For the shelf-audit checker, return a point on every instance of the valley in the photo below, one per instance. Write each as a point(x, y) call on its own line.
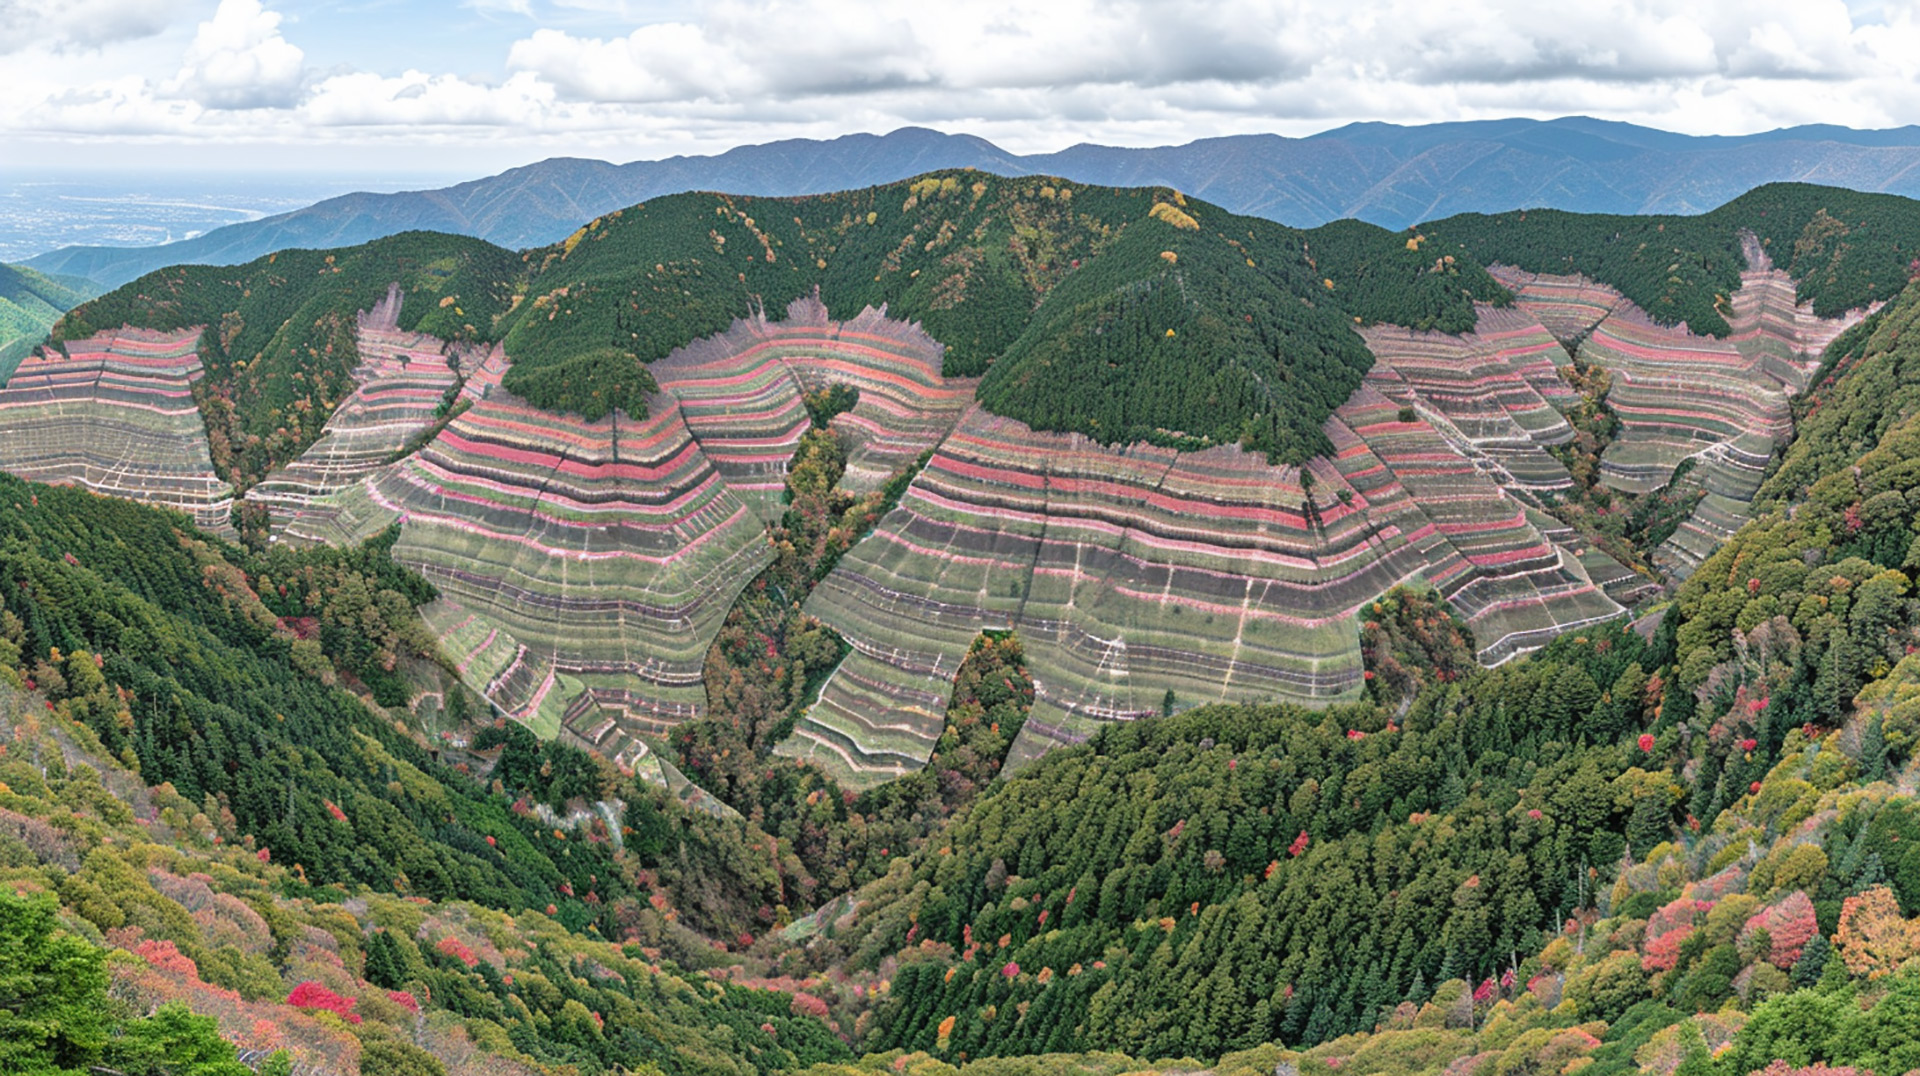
point(1077, 622)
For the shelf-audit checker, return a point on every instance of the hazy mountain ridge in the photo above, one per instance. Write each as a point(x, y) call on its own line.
point(1382, 173)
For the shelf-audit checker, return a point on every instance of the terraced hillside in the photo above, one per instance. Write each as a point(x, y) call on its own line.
point(1721, 402)
point(1142, 575)
point(1495, 392)
point(280, 344)
point(743, 392)
point(583, 567)
point(405, 381)
point(116, 415)
point(1198, 444)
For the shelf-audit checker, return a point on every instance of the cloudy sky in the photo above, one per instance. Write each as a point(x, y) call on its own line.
point(451, 86)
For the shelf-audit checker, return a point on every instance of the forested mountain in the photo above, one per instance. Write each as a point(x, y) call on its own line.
point(259, 779)
point(1689, 847)
point(1385, 174)
point(1248, 319)
point(1845, 250)
point(30, 303)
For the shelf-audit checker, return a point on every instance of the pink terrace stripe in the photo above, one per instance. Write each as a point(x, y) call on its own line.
point(455, 523)
point(548, 461)
point(1130, 532)
point(447, 482)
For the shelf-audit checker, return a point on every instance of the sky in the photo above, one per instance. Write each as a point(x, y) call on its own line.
point(446, 87)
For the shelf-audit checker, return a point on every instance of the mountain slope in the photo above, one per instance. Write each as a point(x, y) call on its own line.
point(30, 302)
point(1845, 250)
point(1641, 847)
point(281, 349)
point(1203, 327)
point(1389, 175)
point(194, 801)
point(1249, 320)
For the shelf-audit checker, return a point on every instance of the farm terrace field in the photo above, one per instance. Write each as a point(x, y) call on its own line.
point(115, 414)
point(583, 567)
point(405, 381)
point(1143, 578)
point(1496, 392)
point(744, 394)
point(1722, 403)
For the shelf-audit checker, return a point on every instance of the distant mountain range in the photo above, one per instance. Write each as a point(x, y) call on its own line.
point(1382, 173)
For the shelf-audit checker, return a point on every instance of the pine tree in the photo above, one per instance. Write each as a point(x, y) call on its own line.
point(1855, 858)
point(1872, 873)
point(1320, 1026)
point(1873, 750)
point(386, 965)
point(1813, 961)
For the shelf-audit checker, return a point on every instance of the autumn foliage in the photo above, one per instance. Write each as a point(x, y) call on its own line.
point(311, 995)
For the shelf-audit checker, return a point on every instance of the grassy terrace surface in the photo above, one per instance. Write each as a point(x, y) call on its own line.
point(1132, 573)
point(402, 385)
point(743, 391)
point(583, 567)
point(116, 416)
point(1723, 402)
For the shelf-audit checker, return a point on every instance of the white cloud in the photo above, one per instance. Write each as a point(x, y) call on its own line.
point(696, 75)
point(416, 99)
point(84, 23)
point(238, 59)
